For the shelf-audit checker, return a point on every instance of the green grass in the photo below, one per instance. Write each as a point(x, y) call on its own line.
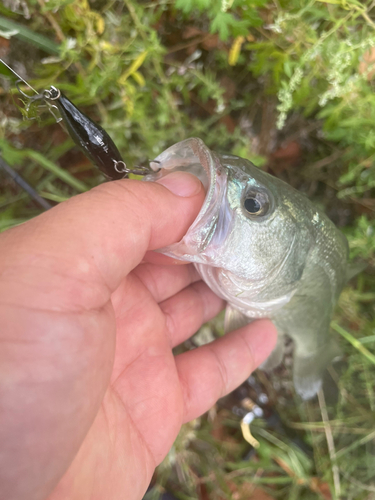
point(290, 87)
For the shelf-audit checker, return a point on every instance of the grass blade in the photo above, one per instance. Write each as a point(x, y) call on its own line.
point(7, 224)
point(355, 343)
point(58, 171)
point(29, 36)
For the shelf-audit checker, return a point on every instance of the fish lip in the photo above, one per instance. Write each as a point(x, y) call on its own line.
point(181, 156)
point(185, 156)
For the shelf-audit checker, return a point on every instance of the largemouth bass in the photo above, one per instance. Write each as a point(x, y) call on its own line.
point(267, 250)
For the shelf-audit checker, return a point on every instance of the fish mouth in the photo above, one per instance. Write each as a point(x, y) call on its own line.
point(193, 156)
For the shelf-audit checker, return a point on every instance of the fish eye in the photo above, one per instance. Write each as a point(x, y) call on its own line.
point(252, 205)
point(256, 203)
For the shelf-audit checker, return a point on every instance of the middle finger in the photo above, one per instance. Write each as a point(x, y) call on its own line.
point(164, 281)
point(186, 311)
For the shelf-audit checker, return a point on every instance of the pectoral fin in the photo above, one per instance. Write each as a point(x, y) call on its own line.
point(234, 319)
point(355, 268)
point(276, 356)
point(308, 371)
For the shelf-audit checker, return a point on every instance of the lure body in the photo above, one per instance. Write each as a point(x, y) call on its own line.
point(90, 137)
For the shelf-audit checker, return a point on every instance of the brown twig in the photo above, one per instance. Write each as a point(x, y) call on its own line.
point(186, 45)
point(330, 443)
point(59, 34)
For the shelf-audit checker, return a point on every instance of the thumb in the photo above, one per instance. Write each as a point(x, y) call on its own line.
point(98, 237)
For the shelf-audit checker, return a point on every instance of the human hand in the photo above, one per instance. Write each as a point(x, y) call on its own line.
point(91, 397)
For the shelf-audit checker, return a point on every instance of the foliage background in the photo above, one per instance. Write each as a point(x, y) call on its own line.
point(287, 84)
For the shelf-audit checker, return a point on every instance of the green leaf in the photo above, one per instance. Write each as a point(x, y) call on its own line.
point(188, 6)
point(221, 24)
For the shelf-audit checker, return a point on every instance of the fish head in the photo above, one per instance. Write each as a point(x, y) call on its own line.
point(252, 236)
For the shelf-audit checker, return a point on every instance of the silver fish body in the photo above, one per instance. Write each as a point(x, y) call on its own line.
point(267, 250)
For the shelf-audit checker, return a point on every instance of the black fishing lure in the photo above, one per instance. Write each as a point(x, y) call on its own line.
point(90, 137)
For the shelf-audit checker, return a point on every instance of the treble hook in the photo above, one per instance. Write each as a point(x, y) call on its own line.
point(29, 97)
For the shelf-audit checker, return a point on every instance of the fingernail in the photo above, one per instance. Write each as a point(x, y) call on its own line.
point(181, 183)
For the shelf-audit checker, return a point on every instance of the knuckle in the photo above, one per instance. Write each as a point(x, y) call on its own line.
point(170, 324)
point(199, 302)
point(222, 371)
point(249, 349)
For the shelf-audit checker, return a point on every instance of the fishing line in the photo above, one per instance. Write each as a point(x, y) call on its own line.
point(20, 78)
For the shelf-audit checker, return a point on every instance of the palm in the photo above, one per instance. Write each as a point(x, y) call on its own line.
point(145, 403)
